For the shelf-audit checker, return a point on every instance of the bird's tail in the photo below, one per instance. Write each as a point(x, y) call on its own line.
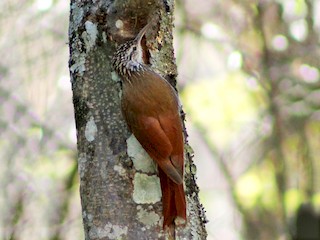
point(173, 202)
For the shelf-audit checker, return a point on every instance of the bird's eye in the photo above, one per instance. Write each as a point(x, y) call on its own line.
point(134, 48)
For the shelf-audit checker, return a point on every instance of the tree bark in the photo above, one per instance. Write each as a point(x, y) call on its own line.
point(119, 187)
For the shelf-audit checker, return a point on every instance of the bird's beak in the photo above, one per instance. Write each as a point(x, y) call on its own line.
point(143, 32)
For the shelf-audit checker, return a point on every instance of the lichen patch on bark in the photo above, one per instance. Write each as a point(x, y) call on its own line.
point(119, 24)
point(146, 189)
point(120, 170)
point(90, 130)
point(90, 35)
point(148, 217)
point(77, 58)
point(109, 231)
point(140, 158)
point(194, 222)
point(77, 16)
point(79, 61)
point(82, 161)
point(115, 77)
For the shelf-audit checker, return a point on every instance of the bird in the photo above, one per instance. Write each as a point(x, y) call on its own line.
point(151, 109)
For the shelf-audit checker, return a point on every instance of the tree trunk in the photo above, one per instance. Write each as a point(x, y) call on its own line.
point(120, 191)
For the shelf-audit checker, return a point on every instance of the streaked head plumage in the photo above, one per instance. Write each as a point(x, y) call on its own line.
point(129, 55)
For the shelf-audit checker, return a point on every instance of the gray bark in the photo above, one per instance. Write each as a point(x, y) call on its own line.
point(120, 191)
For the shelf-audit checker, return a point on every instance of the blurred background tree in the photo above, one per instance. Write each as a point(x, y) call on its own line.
point(249, 81)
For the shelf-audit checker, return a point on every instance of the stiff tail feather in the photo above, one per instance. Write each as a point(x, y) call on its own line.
point(173, 201)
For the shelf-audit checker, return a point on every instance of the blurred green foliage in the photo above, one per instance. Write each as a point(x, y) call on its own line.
point(211, 104)
point(254, 98)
